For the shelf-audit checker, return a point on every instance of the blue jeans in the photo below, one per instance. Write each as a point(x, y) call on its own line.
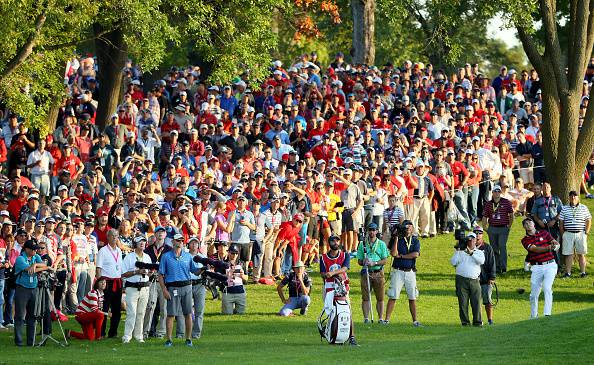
point(8, 318)
point(461, 201)
point(2, 282)
point(287, 263)
point(301, 302)
point(473, 196)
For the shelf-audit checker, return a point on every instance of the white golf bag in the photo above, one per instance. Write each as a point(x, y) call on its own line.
point(334, 323)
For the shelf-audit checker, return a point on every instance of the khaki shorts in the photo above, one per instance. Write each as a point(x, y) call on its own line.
point(574, 242)
point(376, 280)
point(406, 279)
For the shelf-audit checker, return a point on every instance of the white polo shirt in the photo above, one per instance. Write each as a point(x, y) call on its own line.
point(129, 264)
point(110, 262)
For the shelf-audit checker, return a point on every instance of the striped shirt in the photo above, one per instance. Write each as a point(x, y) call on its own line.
point(574, 217)
point(539, 239)
point(498, 214)
point(393, 216)
point(92, 302)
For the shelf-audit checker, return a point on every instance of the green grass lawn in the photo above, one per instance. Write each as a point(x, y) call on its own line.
point(260, 337)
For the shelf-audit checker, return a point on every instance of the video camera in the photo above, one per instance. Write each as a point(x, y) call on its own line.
point(212, 280)
point(47, 279)
point(144, 266)
point(460, 236)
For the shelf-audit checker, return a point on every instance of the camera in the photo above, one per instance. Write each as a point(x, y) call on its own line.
point(460, 237)
point(47, 279)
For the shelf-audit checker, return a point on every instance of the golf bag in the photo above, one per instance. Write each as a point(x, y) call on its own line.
point(334, 322)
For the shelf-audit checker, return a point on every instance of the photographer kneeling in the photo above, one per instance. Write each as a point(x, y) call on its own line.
point(299, 287)
point(26, 267)
point(234, 297)
point(468, 260)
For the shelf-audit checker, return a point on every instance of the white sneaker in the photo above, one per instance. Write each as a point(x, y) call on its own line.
point(125, 340)
point(2, 327)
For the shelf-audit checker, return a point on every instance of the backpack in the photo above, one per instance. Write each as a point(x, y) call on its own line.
point(334, 322)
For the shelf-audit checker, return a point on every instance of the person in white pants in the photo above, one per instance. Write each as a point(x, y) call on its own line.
point(137, 290)
point(540, 246)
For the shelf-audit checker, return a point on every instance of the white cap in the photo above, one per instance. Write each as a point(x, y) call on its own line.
point(278, 72)
point(277, 63)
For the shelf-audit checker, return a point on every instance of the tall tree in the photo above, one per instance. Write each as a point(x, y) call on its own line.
point(566, 147)
point(363, 49)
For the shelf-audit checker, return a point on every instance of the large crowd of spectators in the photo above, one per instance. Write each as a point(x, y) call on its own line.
point(273, 168)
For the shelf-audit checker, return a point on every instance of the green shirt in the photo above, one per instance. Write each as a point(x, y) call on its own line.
point(375, 252)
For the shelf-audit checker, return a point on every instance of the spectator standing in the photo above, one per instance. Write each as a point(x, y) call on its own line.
point(575, 222)
point(498, 215)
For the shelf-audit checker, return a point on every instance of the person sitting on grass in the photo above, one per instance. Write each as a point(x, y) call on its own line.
point(299, 287)
point(89, 314)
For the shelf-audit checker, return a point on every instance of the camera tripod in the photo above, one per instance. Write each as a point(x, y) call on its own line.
point(43, 304)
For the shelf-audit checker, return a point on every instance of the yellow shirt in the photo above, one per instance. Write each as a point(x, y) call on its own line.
point(332, 215)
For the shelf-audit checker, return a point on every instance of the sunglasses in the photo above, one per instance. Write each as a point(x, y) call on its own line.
point(298, 221)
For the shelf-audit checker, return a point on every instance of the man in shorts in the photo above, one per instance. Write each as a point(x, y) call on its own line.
point(372, 254)
point(176, 282)
point(405, 251)
point(488, 272)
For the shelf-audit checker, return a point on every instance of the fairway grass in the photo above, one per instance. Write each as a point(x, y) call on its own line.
point(261, 337)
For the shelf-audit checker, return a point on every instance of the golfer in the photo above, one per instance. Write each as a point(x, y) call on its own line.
point(541, 247)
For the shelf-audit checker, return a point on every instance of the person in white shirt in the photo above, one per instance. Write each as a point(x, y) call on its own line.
point(467, 261)
point(38, 163)
point(109, 265)
point(149, 140)
point(81, 262)
point(137, 290)
point(279, 149)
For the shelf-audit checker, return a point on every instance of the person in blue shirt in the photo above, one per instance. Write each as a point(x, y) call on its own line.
point(405, 251)
point(26, 267)
point(176, 268)
point(228, 101)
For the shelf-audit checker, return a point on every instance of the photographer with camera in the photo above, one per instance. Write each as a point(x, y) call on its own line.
point(488, 272)
point(234, 297)
point(404, 248)
point(26, 267)
point(299, 287)
point(198, 290)
point(468, 260)
point(155, 251)
point(372, 254)
point(137, 289)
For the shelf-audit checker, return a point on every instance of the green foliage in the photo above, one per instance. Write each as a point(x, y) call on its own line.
point(232, 36)
point(37, 82)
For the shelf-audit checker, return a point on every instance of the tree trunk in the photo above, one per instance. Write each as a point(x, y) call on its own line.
point(111, 58)
point(363, 50)
point(52, 116)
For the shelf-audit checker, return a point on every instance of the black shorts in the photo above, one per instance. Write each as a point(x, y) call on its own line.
point(245, 251)
point(348, 225)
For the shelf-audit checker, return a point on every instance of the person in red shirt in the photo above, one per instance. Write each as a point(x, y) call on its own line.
point(288, 238)
point(170, 124)
point(69, 162)
point(411, 184)
point(322, 150)
point(332, 122)
point(15, 205)
point(108, 201)
point(460, 174)
point(474, 179)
